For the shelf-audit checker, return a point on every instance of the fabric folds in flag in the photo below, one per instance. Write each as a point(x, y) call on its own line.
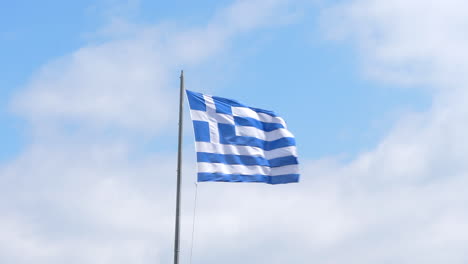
point(238, 143)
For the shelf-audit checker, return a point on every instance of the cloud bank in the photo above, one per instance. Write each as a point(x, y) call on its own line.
point(78, 194)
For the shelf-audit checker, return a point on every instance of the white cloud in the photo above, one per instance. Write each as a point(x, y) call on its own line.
point(85, 199)
point(407, 193)
point(124, 82)
point(17, 238)
point(407, 41)
point(82, 192)
point(119, 83)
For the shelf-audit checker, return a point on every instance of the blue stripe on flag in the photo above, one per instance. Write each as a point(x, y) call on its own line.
point(227, 135)
point(283, 161)
point(268, 112)
point(227, 102)
point(245, 160)
point(196, 101)
point(251, 122)
point(288, 178)
point(202, 131)
point(231, 159)
point(222, 107)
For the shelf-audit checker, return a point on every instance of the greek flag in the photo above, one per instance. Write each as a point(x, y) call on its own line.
point(238, 143)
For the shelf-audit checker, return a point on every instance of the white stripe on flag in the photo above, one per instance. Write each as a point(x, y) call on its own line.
point(211, 117)
point(247, 131)
point(199, 115)
point(245, 150)
point(247, 112)
point(211, 111)
point(246, 170)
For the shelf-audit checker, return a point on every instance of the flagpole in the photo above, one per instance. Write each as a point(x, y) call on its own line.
point(179, 170)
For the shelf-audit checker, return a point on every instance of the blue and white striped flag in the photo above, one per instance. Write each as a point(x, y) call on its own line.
point(238, 143)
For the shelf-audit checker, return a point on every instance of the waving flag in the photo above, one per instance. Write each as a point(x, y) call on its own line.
point(238, 143)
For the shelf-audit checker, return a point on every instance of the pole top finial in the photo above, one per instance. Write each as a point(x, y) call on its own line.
point(181, 73)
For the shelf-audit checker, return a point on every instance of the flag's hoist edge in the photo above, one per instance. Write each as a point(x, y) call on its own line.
point(238, 143)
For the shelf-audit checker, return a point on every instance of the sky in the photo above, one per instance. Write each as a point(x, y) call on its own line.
point(374, 91)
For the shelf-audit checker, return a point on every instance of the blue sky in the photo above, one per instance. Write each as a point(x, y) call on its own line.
point(374, 91)
point(291, 68)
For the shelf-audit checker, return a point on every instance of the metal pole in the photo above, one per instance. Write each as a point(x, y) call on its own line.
point(179, 170)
